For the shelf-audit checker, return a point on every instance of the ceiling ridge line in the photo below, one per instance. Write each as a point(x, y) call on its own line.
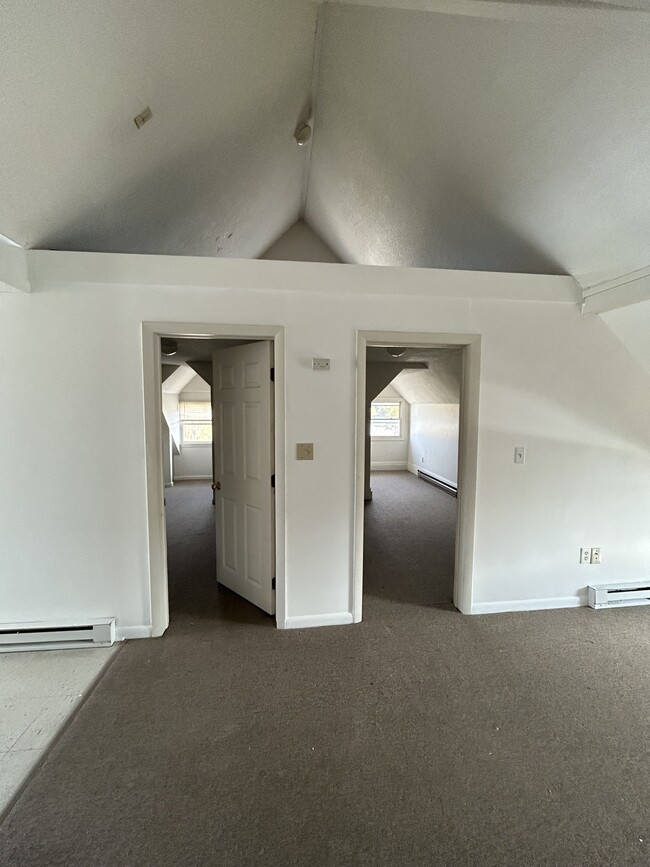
point(313, 97)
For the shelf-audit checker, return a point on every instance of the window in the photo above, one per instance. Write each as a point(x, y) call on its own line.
point(386, 419)
point(196, 422)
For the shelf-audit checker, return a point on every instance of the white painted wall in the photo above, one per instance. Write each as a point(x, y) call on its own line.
point(391, 454)
point(632, 327)
point(13, 267)
point(551, 380)
point(300, 244)
point(433, 443)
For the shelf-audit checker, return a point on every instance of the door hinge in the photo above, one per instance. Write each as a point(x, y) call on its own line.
point(273, 480)
point(273, 374)
point(273, 584)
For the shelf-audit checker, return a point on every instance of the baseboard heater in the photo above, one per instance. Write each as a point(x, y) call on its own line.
point(439, 483)
point(56, 636)
point(617, 595)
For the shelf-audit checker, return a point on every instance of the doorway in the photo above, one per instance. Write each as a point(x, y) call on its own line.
point(413, 398)
point(445, 485)
point(248, 476)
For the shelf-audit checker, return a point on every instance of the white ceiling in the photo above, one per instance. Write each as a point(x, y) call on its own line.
point(510, 136)
point(214, 172)
point(460, 142)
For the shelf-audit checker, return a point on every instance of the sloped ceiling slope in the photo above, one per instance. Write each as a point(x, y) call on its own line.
point(489, 143)
point(214, 172)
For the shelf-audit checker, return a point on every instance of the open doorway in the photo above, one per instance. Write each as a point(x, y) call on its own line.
point(410, 512)
point(212, 430)
point(417, 426)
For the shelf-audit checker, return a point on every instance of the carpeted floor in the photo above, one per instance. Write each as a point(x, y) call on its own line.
point(419, 737)
point(409, 538)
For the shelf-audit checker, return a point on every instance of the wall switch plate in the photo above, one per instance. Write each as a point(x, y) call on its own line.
point(595, 556)
point(585, 556)
point(520, 455)
point(304, 451)
point(320, 364)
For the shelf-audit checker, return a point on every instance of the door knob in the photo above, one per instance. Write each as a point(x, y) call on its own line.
point(216, 486)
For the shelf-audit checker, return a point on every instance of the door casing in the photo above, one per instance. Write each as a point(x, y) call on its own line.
point(152, 381)
point(467, 454)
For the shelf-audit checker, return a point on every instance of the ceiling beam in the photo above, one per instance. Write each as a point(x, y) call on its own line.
point(526, 10)
point(620, 292)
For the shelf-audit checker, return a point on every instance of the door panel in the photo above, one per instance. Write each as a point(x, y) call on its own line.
point(243, 430)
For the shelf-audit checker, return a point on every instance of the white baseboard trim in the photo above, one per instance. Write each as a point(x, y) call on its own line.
point(192, 478)
point(124, 633)
point(529, 604)
point(306, 621)
point(379, 466)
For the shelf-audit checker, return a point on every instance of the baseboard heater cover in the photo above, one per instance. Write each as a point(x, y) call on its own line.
point(618, 595)
point(56, 636)
point(439, 483)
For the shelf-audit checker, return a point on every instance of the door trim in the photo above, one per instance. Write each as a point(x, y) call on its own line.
point(467, 455)
point(152, 395)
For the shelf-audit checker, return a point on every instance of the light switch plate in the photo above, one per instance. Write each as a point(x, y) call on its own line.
point(305, 451)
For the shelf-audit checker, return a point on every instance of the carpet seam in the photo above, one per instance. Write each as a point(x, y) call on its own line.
point(15, 798)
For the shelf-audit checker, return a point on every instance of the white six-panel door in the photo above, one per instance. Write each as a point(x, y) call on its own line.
point(242, 406)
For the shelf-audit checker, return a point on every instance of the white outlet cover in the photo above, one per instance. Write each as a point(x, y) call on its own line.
point(320, 364)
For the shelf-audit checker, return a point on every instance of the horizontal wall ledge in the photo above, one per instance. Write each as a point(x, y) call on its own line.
point(48, 267)
point(629, 289)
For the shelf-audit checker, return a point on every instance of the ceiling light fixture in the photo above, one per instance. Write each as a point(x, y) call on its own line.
point(396, 351)
point(302, 133)
point(168, 346)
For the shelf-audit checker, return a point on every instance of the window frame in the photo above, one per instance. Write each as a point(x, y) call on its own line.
point(192, 444)
point(397, 401)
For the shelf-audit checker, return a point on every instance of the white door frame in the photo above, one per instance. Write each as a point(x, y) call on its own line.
point(467, 454)
point(152, 379)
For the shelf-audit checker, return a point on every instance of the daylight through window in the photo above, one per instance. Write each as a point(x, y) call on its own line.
point(385, 419)
point(196, 422)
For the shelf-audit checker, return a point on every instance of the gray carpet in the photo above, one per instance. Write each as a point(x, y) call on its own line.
point(419, 737)
point(409, 538)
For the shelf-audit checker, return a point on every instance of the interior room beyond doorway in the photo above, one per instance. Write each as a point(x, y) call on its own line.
point(217, 445)
point(410, 513)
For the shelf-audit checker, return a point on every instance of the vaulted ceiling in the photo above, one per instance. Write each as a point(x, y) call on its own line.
point(476, 134)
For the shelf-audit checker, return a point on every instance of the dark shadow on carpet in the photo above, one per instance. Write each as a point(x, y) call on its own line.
point(194, 595)
point(409, 540)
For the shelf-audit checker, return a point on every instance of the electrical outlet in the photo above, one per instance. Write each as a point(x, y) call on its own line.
point(595, 556)
point(585, 556)
point(320, 363)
